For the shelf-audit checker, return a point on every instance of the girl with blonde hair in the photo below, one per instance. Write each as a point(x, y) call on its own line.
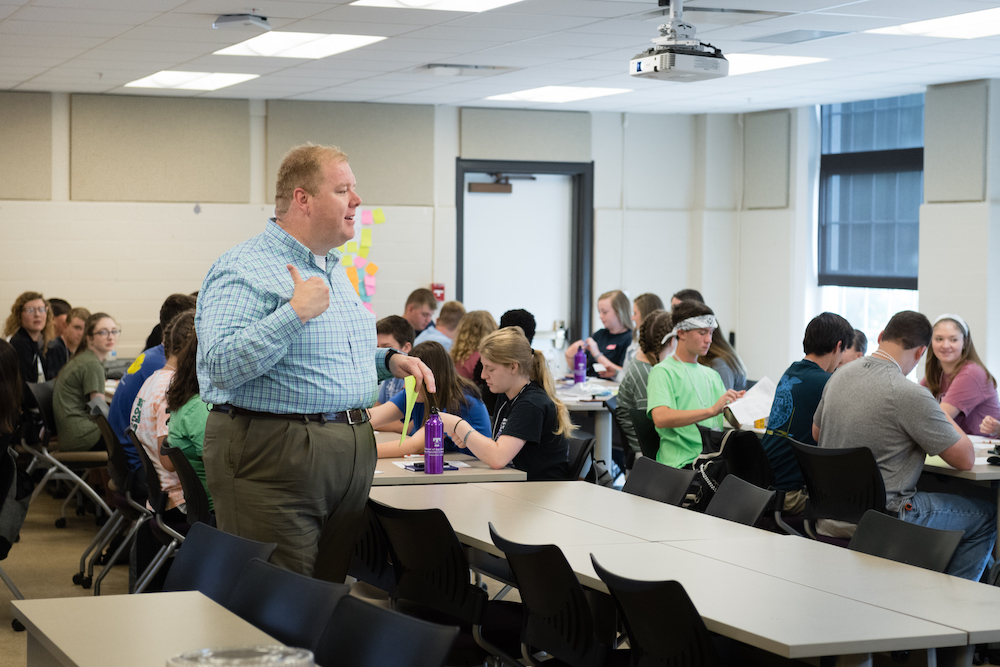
point(607, 346)
point(471, 330)
point(531, 424)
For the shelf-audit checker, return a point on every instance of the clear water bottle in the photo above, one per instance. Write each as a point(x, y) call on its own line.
point(433, 444)
point(580, 366)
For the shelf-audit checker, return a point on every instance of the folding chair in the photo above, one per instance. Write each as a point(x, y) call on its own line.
point(888, 537)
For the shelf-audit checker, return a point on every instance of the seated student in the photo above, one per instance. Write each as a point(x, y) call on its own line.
point(82, 380)
point(795, 401)
point(684, 295)
point(682, 393)
point(957, 377)
point(858, 348)
point(150, 361)
point(188, 413)
point(29, 329)
point(642, 306)
point(63, 346)
point(60, 315)
point(653, 331)
point(396, 333)
point(419, 309)
point(10, 394)
point(607, 346)
point(149, 411)
point(444, 329)
point(454, 394)
point(871, 404)
point(531, 423)
point(518, 317)
point(721, 356)
point(470, 333)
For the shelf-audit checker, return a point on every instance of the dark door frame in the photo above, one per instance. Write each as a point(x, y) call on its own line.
point(582, 226)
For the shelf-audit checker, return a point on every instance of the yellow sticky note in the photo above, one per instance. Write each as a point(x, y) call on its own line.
point(410, 385)
point(371, 268)
point(366, 238)
point(341, 248)
point(351, 247)
point(364, 251)
point(378, 216)
point(347, 260)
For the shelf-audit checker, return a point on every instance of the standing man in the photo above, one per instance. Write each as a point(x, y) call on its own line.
point(870, 403)
point(287, 355)
point(444, 330)
point(419, 309)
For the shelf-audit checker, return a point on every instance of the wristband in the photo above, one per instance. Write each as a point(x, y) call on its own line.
point(388, 356)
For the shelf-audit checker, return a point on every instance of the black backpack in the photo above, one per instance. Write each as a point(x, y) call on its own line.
point(711, 468)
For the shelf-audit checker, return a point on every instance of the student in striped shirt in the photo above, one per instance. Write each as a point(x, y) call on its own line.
point(652, 350)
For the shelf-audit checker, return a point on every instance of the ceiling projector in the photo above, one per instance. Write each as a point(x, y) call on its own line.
point(677, 55)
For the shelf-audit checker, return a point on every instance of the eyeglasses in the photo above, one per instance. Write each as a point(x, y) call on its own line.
point(40, 311)
point(104, 333)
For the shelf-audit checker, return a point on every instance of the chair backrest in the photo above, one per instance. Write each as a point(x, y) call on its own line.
point(645, 433)
point(195, 496)
point(656, 481)
point(888, 537)
point(740, 501)
point(370, 562)
point(362, 634)
point(157, 496)
point(42, 393)
point(429, 564)
point(210, 561)
point(117, 463)
point(663, 626)
point(291, 607)
point(745, 457)
point(843, 484)
point(580, 453)
point(557, 616)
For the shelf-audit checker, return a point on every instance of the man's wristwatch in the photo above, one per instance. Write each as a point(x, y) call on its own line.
point(388, 356)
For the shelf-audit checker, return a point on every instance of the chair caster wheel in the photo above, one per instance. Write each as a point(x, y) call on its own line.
point(61, 522)
point(78, 578)
point(87, 581)
point(16, 624)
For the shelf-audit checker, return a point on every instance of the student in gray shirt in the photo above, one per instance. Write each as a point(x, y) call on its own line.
point(871, 403)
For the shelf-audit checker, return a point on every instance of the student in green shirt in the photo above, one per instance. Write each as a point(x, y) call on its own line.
point(681, 392)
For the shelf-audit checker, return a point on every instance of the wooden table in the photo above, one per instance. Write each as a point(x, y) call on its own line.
point(387, 473)
point(129, 630)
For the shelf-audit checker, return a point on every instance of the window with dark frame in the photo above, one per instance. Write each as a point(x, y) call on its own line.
point(871, 188)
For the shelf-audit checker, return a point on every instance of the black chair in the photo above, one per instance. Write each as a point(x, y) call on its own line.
point(291, 607)
point(557, 615)
point(662, 624)
point(888, 537)
point(370, 562)
point(14, 491)
point(843, 484)
point(432, 582)
point(739, 501)
point(211, 562)
point(645, 433)
point(581, 452)
point(628, 454)
point(656, 481)
point(195, 496)
point(361, 634)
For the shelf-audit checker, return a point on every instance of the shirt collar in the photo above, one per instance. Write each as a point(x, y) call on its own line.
point(277, 233)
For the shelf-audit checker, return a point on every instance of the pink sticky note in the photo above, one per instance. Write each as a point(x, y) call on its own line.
point(370, 308)
point(366, 217)
point(360, 262)
point(370, 285)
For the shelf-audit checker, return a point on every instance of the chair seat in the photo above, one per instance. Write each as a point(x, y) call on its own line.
point(501, 627)
point(88, 459)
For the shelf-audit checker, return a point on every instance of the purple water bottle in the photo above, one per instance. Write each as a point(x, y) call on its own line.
point(580, 366)
point(433, 444)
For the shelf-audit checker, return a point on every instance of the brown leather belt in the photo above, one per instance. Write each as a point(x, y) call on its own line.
point(345, 417)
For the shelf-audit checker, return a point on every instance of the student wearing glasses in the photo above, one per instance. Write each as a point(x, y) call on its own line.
point(29, 330)
point(82, 380)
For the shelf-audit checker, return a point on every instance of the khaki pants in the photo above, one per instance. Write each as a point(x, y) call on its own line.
point(795, 501)
point(301, 485)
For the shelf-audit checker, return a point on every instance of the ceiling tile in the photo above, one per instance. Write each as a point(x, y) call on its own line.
point(72, 15)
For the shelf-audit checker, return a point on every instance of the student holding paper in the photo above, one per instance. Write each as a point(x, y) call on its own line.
point(721, 356)
point(799, 392)
point(682, 393)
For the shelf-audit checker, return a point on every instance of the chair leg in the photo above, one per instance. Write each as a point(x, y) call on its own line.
point(126, 543)
point(784, 526)
point(10, 584)
point(155, 566)
point(101, 539)
point(41, 484)
point(477, 635)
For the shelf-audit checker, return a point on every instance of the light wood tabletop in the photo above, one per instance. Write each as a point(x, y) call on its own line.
point(129, 630)
point(469, 469)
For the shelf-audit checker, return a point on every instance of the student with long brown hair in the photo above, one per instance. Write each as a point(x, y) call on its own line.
point(530, 423)
point(454, 394)
point(471, 330)
point(10, 393)
point(957, 377)
point(642, 306)
point(654, 346)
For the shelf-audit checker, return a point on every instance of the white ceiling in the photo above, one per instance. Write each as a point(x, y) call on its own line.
point(96, 46)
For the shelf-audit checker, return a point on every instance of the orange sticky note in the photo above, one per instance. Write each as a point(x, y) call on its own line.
point(378, 216)
point(371, 268)
point(352, 275)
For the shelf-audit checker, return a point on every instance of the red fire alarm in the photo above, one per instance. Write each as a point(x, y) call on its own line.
point(438, 289)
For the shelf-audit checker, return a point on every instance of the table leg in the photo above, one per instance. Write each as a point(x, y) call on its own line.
point(38, 655)
point(950, 656)
point(855, 660)
point(602, 435)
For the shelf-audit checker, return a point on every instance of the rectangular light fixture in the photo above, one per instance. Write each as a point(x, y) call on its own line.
point(441, 5)
point(748, 63)
point(190, 80)
point(297, 45)
point(558, 94)
point(971, 25)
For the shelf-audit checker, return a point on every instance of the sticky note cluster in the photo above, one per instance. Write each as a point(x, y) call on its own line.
point(360, 271)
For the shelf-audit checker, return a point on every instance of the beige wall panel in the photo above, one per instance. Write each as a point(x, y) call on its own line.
point(391, 146)
point(955, 142)
point(513, 134)
point(159, 149)
point(25, 146)
point(767, 142)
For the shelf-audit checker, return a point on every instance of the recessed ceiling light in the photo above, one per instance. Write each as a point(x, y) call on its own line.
point(190, 80)
point(962, 26)
point(297, 45)
point(443, 5)
point(748, 63)
point(558, 94)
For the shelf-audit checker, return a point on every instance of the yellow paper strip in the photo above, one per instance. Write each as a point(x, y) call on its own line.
point(410, 384)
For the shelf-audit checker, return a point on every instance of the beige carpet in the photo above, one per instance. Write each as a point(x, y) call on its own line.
point(42, 565)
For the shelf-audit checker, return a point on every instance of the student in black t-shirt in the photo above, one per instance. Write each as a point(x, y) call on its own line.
point(607, 346)
point(530, 422)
